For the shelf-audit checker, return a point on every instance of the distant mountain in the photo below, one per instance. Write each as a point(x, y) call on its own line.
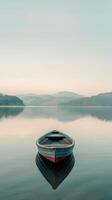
point(48, 100)
point(7, 100)
point(67, 94)
point(103, 99)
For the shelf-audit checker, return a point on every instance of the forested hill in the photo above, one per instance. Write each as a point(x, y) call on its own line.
point(8, 100)
point(103, 99)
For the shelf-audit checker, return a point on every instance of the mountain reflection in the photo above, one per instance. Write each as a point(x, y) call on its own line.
point(64, 114)
point(67, 114)
point(55, 173)
point(6, 112)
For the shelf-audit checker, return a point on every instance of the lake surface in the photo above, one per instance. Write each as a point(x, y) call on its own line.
point(87, 176)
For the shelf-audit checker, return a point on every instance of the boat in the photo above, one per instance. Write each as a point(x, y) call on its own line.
point(55, 174)
point(55, 146)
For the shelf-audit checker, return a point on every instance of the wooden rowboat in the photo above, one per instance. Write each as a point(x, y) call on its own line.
point(55, 146)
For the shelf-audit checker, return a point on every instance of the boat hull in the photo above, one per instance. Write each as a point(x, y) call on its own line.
point(55, 155)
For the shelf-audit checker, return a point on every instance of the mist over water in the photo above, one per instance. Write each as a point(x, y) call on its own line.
point(88, 177)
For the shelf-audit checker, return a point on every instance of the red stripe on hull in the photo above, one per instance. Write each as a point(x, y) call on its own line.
point(54, 159)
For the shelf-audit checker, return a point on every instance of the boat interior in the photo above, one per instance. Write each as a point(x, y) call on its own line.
point(55, 139)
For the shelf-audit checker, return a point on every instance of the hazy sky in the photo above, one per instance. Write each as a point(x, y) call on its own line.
point(49, 46)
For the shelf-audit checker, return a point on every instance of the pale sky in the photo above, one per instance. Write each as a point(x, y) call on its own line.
point(48, 46)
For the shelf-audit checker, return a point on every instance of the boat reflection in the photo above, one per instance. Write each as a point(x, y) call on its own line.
point(55, 173)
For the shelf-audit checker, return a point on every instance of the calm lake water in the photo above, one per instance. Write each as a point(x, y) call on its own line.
point(87, 176)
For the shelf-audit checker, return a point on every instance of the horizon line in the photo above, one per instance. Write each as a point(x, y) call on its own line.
point(51, 93)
